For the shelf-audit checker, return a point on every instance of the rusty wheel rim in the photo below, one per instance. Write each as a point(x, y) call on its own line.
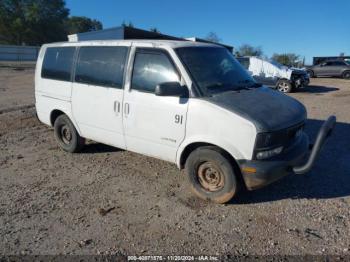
point(66, 135)
point(210, 177)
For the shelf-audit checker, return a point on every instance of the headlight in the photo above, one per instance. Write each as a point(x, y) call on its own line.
point(269, 153)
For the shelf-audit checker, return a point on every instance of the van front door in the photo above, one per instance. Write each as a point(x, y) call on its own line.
point(97, 94)
point(153, 125)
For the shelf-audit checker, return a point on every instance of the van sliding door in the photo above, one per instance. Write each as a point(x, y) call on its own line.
point(97, 94)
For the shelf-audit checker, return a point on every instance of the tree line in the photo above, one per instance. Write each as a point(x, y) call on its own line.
point(287, 59)
point(35, 22)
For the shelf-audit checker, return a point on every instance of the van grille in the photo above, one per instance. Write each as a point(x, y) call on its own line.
point(282, 137)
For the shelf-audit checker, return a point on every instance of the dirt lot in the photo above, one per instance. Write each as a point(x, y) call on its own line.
point(51, 201)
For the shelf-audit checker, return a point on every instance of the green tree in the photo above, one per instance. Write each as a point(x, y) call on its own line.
point(248, 50)
point(288, 59)
point(32, 22)
point(213, 37)
point(79, 24)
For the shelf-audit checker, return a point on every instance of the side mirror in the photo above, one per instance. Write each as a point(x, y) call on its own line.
point(171, 89)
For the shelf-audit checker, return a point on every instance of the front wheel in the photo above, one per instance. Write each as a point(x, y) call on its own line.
point(284, 86)
point(67, 136)
point(211, 175)
point(311, 73)
point(346, 75)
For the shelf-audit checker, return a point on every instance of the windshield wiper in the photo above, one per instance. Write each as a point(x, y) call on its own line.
point(219, 88)
point(215, 85)
point(255, 85)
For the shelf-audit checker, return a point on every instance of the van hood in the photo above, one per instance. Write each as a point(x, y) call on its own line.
point(267, 109)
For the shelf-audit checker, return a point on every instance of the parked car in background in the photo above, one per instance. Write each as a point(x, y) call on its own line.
point(322, 59)
point(275, 75)
point(337, 68)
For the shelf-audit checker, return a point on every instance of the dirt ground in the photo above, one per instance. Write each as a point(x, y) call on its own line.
point(109, 201)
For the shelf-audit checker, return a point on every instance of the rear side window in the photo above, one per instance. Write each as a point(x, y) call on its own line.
point(101, 65)
point(338, 63)
point(151, 69)
point(58, 62)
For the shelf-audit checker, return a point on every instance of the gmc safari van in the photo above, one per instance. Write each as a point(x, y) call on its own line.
point(185, 102)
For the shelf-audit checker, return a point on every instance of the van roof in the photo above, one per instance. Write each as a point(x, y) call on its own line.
point(156, 43)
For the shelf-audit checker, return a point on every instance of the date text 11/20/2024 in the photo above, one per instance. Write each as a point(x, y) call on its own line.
point(173, 258)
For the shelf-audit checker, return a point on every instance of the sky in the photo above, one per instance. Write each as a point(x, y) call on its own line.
point(305, 27)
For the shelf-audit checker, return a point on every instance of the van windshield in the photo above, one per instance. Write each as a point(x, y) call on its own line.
point(215, 70)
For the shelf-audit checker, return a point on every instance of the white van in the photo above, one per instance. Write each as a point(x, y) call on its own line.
point(188, 103)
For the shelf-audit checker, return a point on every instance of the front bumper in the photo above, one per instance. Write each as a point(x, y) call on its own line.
point(301, 81)
point(259, 173)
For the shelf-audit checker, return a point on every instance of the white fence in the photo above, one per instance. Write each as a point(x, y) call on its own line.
point(18, 53)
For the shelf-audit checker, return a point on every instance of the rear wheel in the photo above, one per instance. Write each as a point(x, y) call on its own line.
point(346, 75)
point(67, 136)
point(284, 86)
point(211, 175)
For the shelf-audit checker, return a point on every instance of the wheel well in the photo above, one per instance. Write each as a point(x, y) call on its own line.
point(310, 72)
point(54, 114)
point(281, 79)
point(191, 147)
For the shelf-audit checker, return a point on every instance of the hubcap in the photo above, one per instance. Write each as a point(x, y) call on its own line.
point(210, 177)
point(283, 87)
point(66, 134)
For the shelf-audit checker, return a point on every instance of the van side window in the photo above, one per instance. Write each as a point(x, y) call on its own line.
point(101, 65)
point(151, 69)
point(58, 63)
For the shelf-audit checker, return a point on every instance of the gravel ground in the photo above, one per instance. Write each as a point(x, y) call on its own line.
point(109, 201)
point(16, 88)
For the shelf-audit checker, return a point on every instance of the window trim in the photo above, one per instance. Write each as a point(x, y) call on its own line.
point(72, 71)
point(101, 85)
point(150, 50)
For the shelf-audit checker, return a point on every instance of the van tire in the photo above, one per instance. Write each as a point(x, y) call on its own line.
point(284, 86)
point(210, 163)
point(67, 136)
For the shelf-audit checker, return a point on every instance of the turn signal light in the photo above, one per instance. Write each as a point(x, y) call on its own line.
point(248, 169)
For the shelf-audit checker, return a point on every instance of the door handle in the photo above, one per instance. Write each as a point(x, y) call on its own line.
point(116, 107)
point(126, 108)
